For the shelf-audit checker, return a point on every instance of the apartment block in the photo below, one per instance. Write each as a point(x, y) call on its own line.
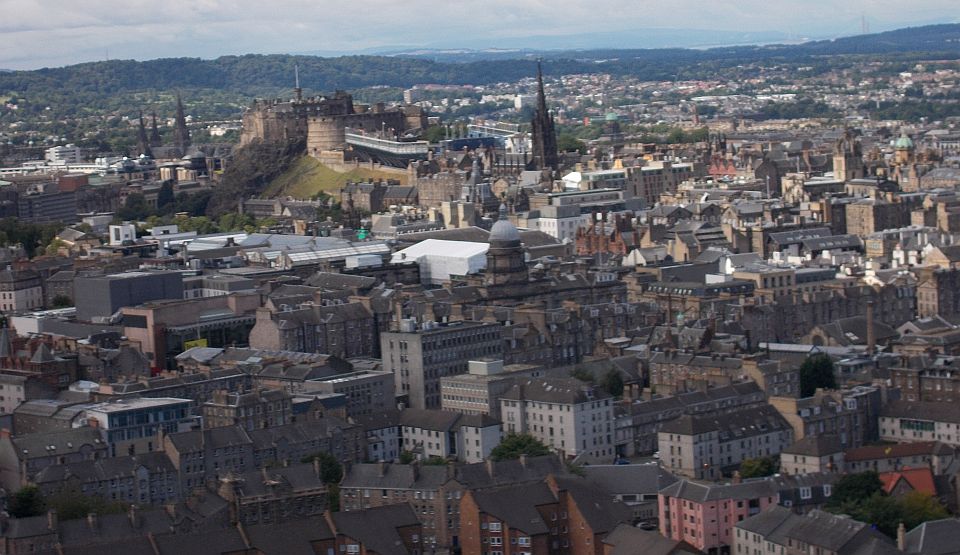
point(419, 356)
point(567, 415)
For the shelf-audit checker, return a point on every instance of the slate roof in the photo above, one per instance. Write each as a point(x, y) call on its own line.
point(629, 478)
point(106, 468)
point(67, 441)
point(334, 281)
point(853, 331)
point(597, 507)
point(377, 528)
point(815, 446)
point(630, 540)
point(517, 505)
point(766, 522)
point(299, 477)
point(871, 452)
point(293, 537)
point(784, 238)
point(195, 440)
point(745, 422)
point(937, 537)
point(225, 540)
point(378, 420)
point(493, 473)
point(111, 528)
point(554, 390)
point(702, 492)
point(938, 412)
point(394, 476)
point(437, 420)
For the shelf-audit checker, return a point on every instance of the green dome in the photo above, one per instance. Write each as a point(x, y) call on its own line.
point(904, 142)
point(611, 116)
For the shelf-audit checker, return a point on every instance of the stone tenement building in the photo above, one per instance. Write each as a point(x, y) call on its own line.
point(321, 121)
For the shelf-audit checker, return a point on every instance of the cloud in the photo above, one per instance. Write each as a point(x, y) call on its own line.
point(53, 32)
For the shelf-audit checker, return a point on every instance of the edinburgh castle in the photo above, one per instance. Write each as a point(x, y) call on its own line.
point(321, 121)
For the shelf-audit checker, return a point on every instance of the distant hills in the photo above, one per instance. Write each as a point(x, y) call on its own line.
point(105, 85)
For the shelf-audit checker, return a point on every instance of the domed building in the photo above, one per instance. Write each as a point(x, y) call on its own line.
point(903, 148)
point(505, 258)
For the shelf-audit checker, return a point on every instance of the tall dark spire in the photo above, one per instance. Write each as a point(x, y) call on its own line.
point(155, 139)
point(181, 137)
point(296, 78)
point(143, 145)
point(542, 130)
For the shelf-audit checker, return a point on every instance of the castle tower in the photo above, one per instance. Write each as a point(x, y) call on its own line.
point(848, 157)
point(181, 136)
point(542, 130)
point(505, 260)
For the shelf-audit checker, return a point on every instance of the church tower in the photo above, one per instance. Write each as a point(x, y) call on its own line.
point(155, 139)
point(848, 157)
point(143, 145)
point(505, 260)
point(542, 130)
point(181, 136)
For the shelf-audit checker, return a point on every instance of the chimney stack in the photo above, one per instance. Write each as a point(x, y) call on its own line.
point(902, 537)
point(52, 520)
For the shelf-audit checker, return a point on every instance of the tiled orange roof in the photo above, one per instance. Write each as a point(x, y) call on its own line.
point(920, 479)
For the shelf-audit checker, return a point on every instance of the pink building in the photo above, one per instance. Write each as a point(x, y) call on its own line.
point(704, 515)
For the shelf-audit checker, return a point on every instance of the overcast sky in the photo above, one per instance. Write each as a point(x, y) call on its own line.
point(38, 33)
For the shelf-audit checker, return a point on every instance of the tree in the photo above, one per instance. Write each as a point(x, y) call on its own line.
point(917, 507)
point(54, 247)
point(568, 143)
point(232, 221)
point(582, 374)
point(886, 512)
point(73, 505)
point(816, 372)
point(435, 134)
point(28, 501)
point(331, 471)
point(435, 461)
point(515, 445)
point(135, 208)
point(613, 383)
point(333, 497)
point(165, 197)
point(855, 487)
point(758, 468)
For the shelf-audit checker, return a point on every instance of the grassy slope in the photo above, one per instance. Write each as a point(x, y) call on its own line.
point(307, 177)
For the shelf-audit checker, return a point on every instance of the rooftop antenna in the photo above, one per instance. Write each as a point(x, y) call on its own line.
point(296, 76)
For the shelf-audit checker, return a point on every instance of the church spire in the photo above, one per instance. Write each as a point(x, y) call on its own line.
point(296, 78)
point(181, 135)
point(541, 95)
point(155, 139)
point(143, 145)
point(542, 130)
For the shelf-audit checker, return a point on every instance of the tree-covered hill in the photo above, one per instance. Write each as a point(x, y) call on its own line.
point(88, 85)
